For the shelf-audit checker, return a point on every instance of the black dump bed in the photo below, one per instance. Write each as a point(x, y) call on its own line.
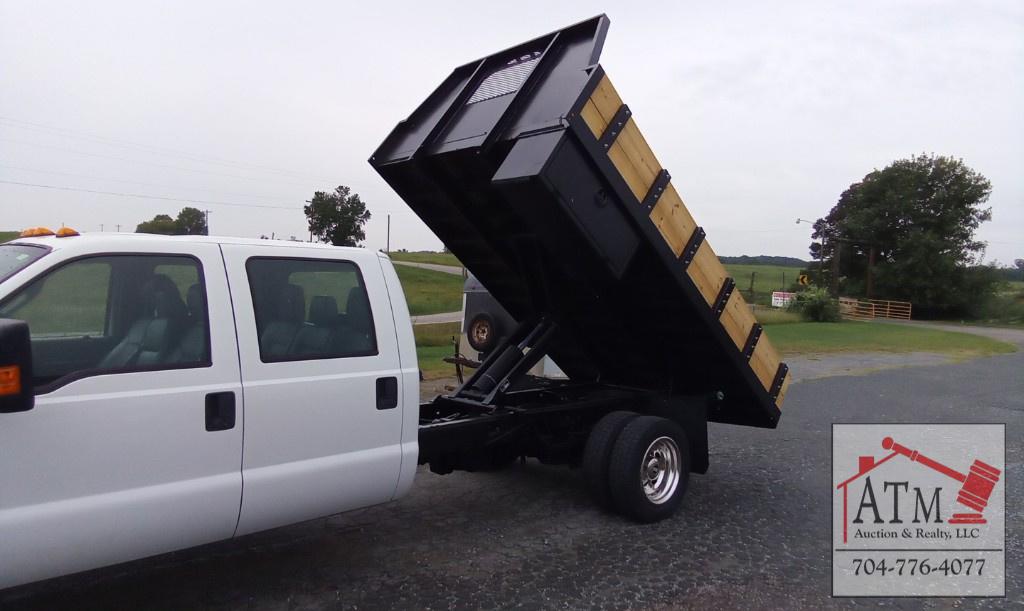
point(532, 171)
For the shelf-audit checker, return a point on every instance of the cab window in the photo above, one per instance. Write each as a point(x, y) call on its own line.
point(310, 309)
point(16, 257)
point(113, 314)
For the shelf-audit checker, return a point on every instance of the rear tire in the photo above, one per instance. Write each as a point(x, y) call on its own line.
point(597, 454)
point(649, 469)
point(482, 332)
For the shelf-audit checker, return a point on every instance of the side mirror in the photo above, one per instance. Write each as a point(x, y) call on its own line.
point(16, 392)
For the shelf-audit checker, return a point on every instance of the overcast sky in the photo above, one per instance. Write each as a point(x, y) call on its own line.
point(762, 111)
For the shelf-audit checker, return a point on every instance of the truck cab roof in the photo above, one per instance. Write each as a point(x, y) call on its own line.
point(94, 241)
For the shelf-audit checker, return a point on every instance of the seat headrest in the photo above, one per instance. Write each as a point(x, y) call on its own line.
point(323, 310)
point(357, 311)
point(291, 304)
point(196, 301)
point(161, 298)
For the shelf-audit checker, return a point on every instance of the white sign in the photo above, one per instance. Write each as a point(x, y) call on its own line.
point(918, 510)
point(781, 299)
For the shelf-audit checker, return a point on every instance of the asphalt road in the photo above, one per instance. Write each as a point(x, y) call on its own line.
point(753, 533)
point(447, 269)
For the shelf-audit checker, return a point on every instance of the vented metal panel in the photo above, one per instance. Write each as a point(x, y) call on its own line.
point(506, 80)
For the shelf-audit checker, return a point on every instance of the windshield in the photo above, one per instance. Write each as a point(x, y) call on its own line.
point(15, 257)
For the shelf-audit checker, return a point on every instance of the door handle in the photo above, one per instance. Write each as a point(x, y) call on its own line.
point(387, 393)
point(220, 411)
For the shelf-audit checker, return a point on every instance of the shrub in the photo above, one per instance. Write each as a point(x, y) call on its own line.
point(1003, 308)
point(816, 305)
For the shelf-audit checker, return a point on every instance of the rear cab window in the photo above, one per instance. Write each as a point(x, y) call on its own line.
point(16, 257)
point(310, 309)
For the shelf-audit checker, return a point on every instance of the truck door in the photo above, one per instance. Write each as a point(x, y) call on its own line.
point(135, 442)
point(320, 372)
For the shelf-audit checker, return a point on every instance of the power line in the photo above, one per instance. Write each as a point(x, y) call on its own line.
point(140, 196)
point(401, 213)
point(150, 163)
point(109, 141)
point(133, 182)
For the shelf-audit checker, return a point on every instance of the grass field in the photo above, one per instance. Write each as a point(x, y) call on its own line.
point(430, 292)
point(791, 337)
point(440, 258)
point(7, 236)
point(815, 337)
point(433, 343)
point(767, 278)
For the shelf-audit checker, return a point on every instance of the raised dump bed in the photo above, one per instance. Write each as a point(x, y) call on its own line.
point(532, 170)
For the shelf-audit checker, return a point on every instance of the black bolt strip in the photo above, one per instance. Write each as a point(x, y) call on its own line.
point(692, 245)
point(657, 190)
point(723, 296)
point(780, 376)
point(755, 334)
point(615, 127)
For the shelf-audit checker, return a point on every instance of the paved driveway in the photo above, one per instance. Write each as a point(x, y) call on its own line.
point(447, 269)
point(753, 533)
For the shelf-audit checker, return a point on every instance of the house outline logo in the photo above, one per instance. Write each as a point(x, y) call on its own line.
point(977, 484)
point(918, 509)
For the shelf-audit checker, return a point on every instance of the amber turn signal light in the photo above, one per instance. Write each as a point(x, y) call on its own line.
point(10, 380)
point(35, 232)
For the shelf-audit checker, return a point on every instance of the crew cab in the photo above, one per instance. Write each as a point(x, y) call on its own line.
point(189, 389)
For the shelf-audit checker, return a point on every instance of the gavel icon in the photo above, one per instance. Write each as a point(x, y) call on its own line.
point(977, 484)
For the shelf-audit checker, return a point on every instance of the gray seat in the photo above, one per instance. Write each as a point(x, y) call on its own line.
point(359, 321)
point(150, 337)
point(315, 336)
point(277, 336)
point(193, 345)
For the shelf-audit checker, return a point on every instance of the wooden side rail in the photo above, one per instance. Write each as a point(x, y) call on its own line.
point(613, 125)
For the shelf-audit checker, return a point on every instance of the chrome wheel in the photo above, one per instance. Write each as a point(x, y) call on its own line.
point(660, 470)
point(481, 332)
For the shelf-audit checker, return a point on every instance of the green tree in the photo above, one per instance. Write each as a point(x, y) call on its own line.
point(917, 217)
point(337, 217)
point(161, 224)
point(192, 221)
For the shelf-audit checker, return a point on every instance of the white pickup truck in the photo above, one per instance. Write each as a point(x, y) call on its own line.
point(191, 389)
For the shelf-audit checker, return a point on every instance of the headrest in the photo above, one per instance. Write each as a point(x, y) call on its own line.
point(323, 310)
point(161, 297)
point(196, 301)
point(357, 312)
point(291, 304)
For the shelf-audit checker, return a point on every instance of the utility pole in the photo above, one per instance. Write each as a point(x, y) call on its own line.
point(870, 282)
point(101, 227)
point(118, 227)
point(821, 256)
point(207, 222)
point(835, 266)
point(310, 202)
point(387, 246)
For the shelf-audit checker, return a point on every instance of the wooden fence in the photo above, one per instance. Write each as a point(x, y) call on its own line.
point(869, 309)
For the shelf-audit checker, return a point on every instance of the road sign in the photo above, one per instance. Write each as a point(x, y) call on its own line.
point(804, 279)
